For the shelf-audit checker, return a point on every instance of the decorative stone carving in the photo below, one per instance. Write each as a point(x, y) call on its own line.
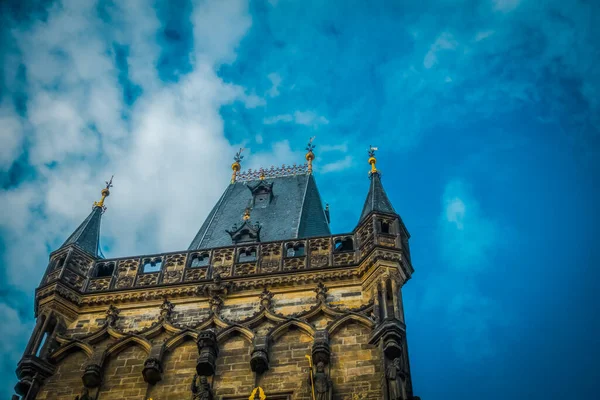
point(216, 288)
point(152, 371)
point(124, 282)
point(391, 332)
point(321, 352)
point(172, 276)
point(92, 376)
point(266, 299)
point(201, 388)
point(259, 359)
point(148, 279)
point(323, 387)
point(112, 315)
point(208, 350)
point(99, 284)
point(166, 310)
point(215, 304)
point(396, 380)
point(321, 292)
point(195, 274)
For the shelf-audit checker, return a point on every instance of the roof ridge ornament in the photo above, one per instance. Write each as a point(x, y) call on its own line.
point(236, 166)
point(105, 193)
point(373, 160)
point(310, 156)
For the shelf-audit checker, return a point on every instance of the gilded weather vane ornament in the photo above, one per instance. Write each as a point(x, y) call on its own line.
point(236, 166)
point(310, 156)
point(105, 193)
point(372, 159)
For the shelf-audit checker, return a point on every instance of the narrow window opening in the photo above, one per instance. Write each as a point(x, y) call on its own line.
point(105, 269)
point(385, 227)
point(247, 255)
point(389, 299)
point(344, 245)
point(152, 266)
point(42, 344)
point(295, 250)
point(199, 260)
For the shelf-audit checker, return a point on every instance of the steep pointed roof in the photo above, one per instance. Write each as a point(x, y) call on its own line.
point(87, 236)
point(377, 200)
point(292, 210)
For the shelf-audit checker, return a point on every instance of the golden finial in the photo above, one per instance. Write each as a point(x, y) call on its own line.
point(372, 159)
point(262, 175)
point(310, 156)
point(236, 166)
point(105, 193)
point(246, 216)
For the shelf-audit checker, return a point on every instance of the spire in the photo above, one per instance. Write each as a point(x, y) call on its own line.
point(87, 236)
point(377, 200)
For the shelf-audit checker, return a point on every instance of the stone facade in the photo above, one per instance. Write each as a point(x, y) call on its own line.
point(327, 323)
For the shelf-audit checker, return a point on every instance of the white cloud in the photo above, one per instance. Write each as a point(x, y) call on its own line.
point(505, 5)
point(467, 238)
point(343, 148)
point(483, 35)
point(275, 83)
point(11, 137)
point(12, 330)
point(443, 42)
point(278, 118)
point(307, 118)
point(159, 155)
point(467, 235)
point(339, 165)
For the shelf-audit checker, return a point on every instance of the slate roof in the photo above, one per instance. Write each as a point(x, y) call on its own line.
point(295, 211)
point(377, 200)
point(87, 236)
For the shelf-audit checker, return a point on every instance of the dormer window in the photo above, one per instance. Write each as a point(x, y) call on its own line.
point(262, 194)
point(247, 233)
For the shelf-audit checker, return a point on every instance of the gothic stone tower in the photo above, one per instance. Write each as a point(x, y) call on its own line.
point(265, 304)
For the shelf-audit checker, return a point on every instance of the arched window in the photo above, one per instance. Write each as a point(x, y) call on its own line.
point(199, 260)
point(296, 250)
point(104, 269)
point(152, 266)
point(247, 255)
point(345, 244)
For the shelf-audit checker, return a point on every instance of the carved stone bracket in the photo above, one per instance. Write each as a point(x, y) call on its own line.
point(208, 350)
point(321, 352)
point(92, 376)
point(391, 332)
point(32, 371)
point(259, 360)
point(152, 371)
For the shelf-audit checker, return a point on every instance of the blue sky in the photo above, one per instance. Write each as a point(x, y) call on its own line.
point(486, 114)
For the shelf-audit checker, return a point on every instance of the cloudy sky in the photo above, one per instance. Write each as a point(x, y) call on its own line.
point(486, 113)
